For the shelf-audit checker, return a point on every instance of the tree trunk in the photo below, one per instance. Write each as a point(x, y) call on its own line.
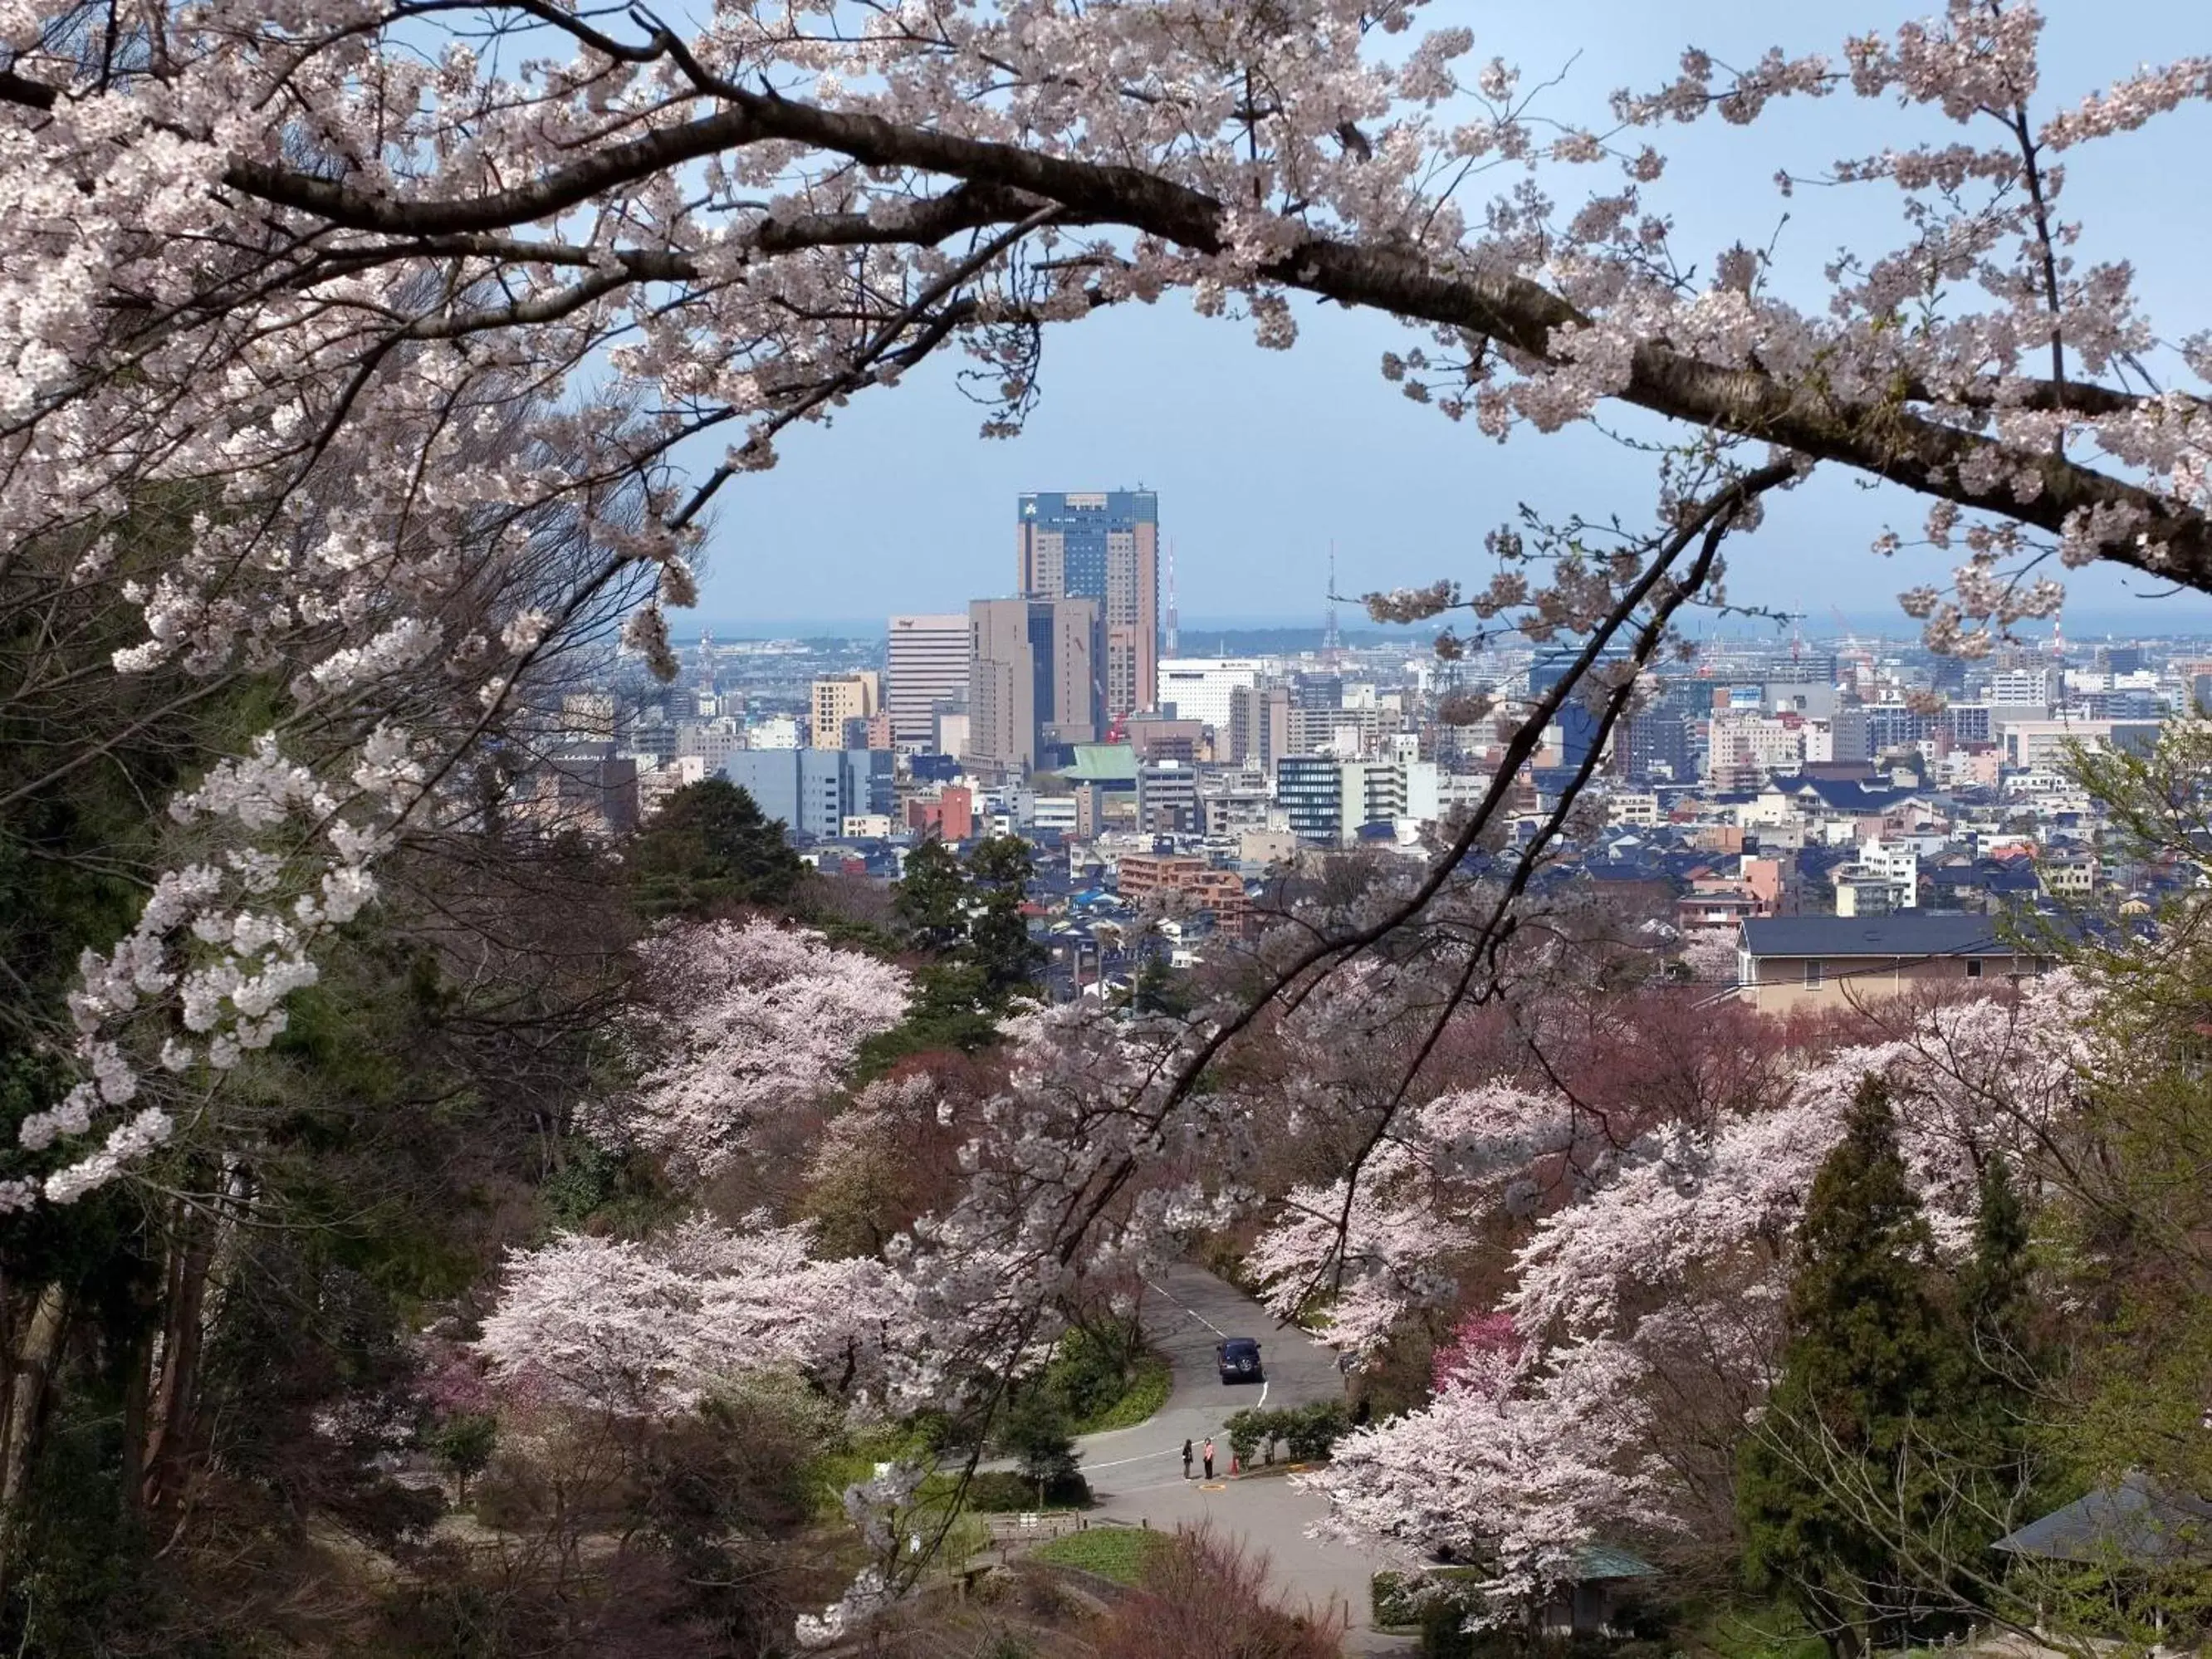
point(176, 1393)
point(29, 1391)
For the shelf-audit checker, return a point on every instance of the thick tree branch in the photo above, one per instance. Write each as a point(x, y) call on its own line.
point(1002, 183)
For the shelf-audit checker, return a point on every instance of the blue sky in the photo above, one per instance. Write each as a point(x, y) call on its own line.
point(1261, 457)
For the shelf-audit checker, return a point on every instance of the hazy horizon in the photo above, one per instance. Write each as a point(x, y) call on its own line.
point(1263, 458)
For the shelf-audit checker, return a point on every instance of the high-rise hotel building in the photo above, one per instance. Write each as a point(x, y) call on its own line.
point(1102, 545)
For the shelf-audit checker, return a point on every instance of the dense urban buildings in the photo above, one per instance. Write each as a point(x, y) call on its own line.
point(1854, 784)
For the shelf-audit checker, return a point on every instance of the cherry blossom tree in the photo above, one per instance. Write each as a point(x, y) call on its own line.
point(282, 264)
point(653, 1327)
point(1644, 1314)
point(742, 1021)
point(1710, 955)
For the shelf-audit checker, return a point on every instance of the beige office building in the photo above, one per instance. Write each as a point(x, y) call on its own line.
point(1032, 680)
point(924, 666)
point(854, 697)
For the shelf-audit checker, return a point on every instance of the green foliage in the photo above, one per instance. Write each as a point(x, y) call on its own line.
point(710, 847)
point(597, 1189)
point(931, 897)
point(1120, 1553)
point(462, 1445)
point(966, 912)
point(1007, 1492)
point(1306, 1433)
point(1036, 1434)
point(952, 1011)
point(1854, 1492)
point(1145, 1390)
point(1158, 989)
point(1102, 1378)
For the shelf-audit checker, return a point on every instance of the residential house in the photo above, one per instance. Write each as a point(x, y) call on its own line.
point(1786, 963)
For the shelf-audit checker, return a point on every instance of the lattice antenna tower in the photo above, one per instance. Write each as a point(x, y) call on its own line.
point(1174, 622)
point(1331, 640)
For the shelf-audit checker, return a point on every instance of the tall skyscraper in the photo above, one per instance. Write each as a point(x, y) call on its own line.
point(927, 663)
point(1032, 680)
point(1102, 545)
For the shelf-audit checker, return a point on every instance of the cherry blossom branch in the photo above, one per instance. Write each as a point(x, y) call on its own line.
point(1498, 927)
point(1717, 512)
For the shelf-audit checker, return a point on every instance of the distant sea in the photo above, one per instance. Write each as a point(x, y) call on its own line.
point(1207, 636)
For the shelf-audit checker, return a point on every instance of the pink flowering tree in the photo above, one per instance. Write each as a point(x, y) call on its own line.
point(289, 266)
point(1641, 1326)
point(1709, 956)
point(742, 1022)
point(654, 1327)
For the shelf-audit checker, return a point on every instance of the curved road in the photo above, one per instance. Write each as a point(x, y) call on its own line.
point(1137, 1473)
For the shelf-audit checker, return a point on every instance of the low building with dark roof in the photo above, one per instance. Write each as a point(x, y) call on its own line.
point(2130, 1526)
point(1785, 962)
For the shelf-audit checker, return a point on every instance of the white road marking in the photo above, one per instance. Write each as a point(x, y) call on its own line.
point(1192, 1311)
point(1143, 1457)
point(1263, 1391)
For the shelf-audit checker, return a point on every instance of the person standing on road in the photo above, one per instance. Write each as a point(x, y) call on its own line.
point(1209, 1457)
point(1185, 1460)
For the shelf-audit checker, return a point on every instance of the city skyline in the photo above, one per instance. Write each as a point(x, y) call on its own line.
point(1266, 456)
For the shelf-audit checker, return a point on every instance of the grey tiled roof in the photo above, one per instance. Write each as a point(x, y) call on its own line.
point(1907, 933)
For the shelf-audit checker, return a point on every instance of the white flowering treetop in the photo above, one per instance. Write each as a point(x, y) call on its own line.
point(654, 1327)
point(372, 289)
point(741, 1022)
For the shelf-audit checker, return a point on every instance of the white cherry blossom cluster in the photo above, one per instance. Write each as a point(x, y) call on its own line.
point(654, 1327)
point(1671, 1267)
point(742, 1022)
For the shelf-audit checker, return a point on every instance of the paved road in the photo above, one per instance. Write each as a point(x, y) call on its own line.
point(1137, 1473)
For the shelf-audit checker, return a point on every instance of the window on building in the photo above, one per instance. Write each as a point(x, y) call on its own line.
point(1974, 967)
point(1811, 970)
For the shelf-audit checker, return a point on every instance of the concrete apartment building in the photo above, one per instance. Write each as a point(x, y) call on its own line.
point(1149, 878)
point(854, 697)
point(924, 665)
point(1102, 545)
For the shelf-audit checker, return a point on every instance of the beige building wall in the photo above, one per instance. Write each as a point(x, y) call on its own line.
point(1001, 688)
point(1005, 719)
point(1784, 986)
point(846, 697)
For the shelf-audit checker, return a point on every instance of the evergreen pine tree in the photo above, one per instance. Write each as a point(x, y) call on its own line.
point(1837, 1474)
point(1990, 1434)
point(709, 848)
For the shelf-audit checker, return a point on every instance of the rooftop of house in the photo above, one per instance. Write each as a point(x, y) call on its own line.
point(2130, 1524)
point(1906, 933)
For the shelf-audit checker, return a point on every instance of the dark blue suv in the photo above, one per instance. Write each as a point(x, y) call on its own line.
point(1239, 1359)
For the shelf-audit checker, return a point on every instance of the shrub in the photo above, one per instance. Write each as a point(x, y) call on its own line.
point(1007, 1492)
point(1204, 1596)
point(1309, 1433)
